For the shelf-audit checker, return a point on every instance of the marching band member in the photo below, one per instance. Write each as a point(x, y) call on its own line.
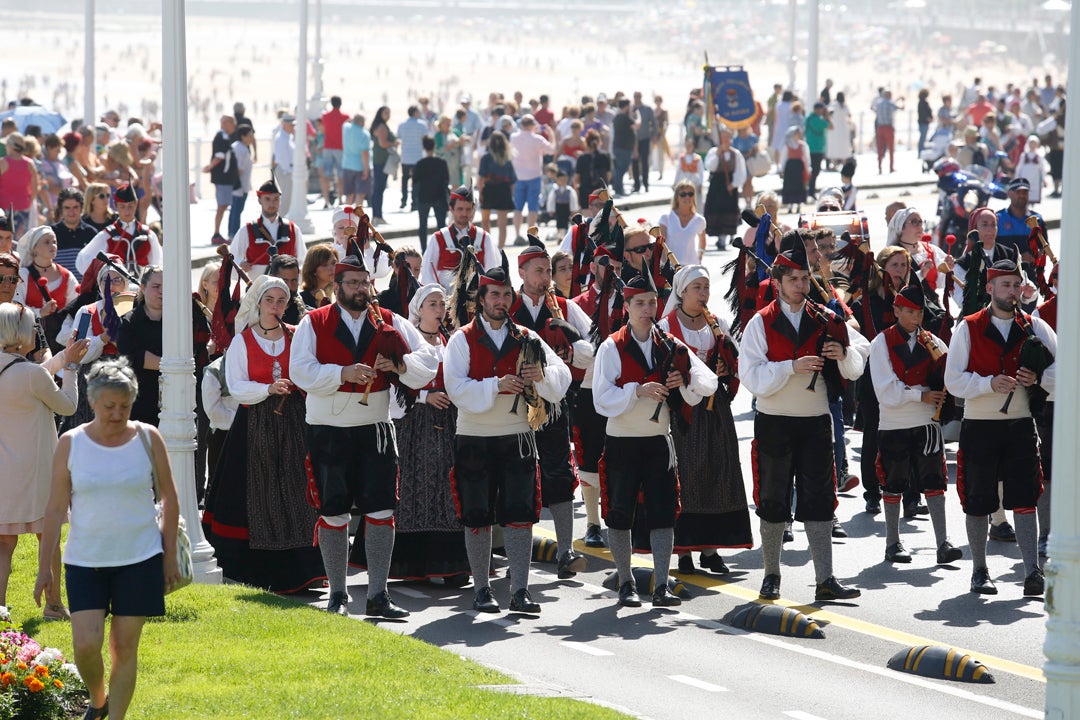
point(636, 370)
point(489, 364)
point(338, 350)
point(135, 243)
point(347, 243)
point(443, 252)
point(255, 243)
point(53, 285)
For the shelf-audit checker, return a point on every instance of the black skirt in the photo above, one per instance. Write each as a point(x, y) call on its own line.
point(794, 189)
point(257, 516)
point(496, 196)
point(721, 207)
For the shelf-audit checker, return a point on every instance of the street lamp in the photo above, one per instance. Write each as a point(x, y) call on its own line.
point(318, 101)
point(298, 210)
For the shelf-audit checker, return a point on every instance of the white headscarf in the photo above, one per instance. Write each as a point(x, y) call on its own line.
point(29, 241)
point(418, 299)
point(686, 275)
point(248, 314)
point(896, 224)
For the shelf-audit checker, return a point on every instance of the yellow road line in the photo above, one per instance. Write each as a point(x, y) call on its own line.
point(823, 616)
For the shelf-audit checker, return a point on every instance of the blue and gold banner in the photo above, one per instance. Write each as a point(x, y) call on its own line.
point(728, 90)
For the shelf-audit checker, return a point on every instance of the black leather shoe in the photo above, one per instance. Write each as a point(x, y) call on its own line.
point(663, 597)
point(686, 564)
point(714, 563)
point(915, 509)
point(897, 553)
point(339, 604)
point(1003, 532)
point(789, 535)
point(981, 582)
point(838, 530)
point(873, 505)
point(593, 538)
point(1035, 583)
point(382, 606)
point(628, 596)
point(522, 602)
point(770, 587)
point(485, 601)
point(831, 589)
point(570, 564)
point(947, 553)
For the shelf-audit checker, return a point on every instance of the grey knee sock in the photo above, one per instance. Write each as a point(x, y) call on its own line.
point(621, 549)
point(478, 548)
point(976, 532)
point(563, 515)
point(892, 519)
point(334, 546)
point(936, 503)
point(519, 553)
point(663, 542)
point(1044, 511)
point(819, 536)
point(1027, 537)
point(772, 540)
point(379, 543)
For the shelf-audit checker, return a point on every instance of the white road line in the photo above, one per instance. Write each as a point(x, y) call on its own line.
point(409, 592)
point(699, 684)
point(586, 648)
point(489, 618)
point(800, 715)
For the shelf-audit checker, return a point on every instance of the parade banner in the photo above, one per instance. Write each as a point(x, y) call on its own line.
point(727, 89)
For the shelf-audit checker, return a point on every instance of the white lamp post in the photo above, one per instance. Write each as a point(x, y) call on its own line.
point(89, 117)
point(317, 102)
point(177, 419)
point(298, 210)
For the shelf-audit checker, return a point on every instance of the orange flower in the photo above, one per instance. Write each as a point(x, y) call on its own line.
point(33, 684)
point(7, 678)
point(41, 671)
point(57, 683)
point(20, 665)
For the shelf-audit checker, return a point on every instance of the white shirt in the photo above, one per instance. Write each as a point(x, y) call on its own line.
point(901, 405)
point(429, 272)
point(712, 163)
point(981, 401)
point(220, 409)
point(482, 411)
point(100, 243)
point(239, 244)
point(326, 405)
point(283, 151)
point(683, 241)
point(778, 389)
point(241, 387)
point(53, 285)
point(629, 415)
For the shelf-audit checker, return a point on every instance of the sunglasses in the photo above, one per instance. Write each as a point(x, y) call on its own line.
point(641, 249)
point(10, 280)
point(686, 194)
point(102, 196)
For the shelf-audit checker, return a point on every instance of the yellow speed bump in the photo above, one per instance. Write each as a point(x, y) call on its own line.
point(777, 620)
point(943, 663)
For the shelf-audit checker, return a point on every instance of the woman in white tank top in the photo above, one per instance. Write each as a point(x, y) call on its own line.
point(115, 560)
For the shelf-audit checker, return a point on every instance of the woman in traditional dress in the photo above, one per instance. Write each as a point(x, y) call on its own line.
point(37, 253)
point(429, 543)
point(714, 512)
point(727, 174)
point(795, 160)
point(257, 516)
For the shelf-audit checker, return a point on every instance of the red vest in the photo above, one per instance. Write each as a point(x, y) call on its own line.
point(449, 257)
point(912, 367)
point(258, 244)
point(331, 348)
point(989, 356)
point(120, 240)
point(1048, 312)
point(780, 336)
point(98, 329)
point(261, 365)
point(589, 300)
point(632, 371)
point(486, 362)
point(34, 297)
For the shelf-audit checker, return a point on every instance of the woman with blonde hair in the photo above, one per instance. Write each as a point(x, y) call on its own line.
point(98, 211)
point(317, 276)
point(684, 226)
point(495, 183)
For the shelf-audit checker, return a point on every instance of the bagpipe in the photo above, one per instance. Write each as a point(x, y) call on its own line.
point(742, 294)
point(223, 314)
point(557, 332)
point(606, 321)
point(387, 342)
point(402, 287)
point(531, 352)
point(975, 296)
point(1036, 357)
point(462, 301)
point(670, 356)
point(1040, 249)
point(833, 328)
point(935, 380)
point(723, 360)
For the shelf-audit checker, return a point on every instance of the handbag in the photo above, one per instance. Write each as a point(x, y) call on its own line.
point(183, 542)
point(758, 164)
point(393, 162)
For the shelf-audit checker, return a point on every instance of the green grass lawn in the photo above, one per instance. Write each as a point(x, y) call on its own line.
point(230, 651)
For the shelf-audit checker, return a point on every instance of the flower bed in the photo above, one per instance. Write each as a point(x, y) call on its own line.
point(35, 682)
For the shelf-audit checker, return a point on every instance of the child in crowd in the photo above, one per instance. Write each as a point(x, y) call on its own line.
point(847, 172)
point(562, 203)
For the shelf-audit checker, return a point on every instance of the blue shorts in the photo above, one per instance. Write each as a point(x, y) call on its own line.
point(330, 161)
point(137, 589)
point(527, 191)
point(223, 194)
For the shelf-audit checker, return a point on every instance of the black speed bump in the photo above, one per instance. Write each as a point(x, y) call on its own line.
point(643, 579)
point(777, 620)
point(934, 661)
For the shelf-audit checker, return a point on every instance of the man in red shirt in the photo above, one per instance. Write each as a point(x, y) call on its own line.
point(330, 163)
point(543, 114)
